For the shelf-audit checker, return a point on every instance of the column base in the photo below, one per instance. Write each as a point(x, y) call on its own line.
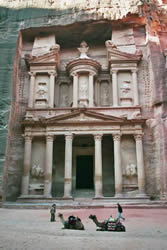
point(120, 195)
point(47, 196)
point(142, 195)
point(67, 197)
point(164, 196)
point(98, 197)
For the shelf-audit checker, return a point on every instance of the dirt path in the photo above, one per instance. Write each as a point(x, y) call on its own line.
point(31, 230)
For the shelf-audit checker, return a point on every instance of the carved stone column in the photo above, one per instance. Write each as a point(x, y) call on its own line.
point(115, 87)
point(140, 165)
point(48, 166)
point(51, 89)
point(27, 164)
point(75, 90)
point(135, 87)
point(98, 167)
point(68, 167)
point(91, 94)
point(31, 91)
point(117, 165)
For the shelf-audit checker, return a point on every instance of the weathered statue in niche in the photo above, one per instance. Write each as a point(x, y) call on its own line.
point(131, 170)
point(64, 95)
point(83, 88)
point(37, 171)
point(126, 93)
point(104, 93)
point(42, 90)
point(126, 89)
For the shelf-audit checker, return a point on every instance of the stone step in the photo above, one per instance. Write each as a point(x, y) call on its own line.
point(83, 203)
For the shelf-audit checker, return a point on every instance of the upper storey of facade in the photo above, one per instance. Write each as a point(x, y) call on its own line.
point(102, 78)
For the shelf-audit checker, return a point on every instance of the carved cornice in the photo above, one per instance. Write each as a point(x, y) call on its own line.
point(94, 117)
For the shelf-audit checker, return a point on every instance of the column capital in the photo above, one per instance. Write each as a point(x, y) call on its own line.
point(68, 136)
point(134, 70)
point(98, 137)
point(32, 73)
point(91, 73)
point(74, 74)
point(113, 71)
point(116, 137)
point(138, 137)
point(28, 137)
point(52, 73)
point(49, 137)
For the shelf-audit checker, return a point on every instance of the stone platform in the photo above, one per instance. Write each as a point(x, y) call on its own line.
point(78, 203)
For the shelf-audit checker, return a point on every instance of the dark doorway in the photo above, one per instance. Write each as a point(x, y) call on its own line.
point(84, 172)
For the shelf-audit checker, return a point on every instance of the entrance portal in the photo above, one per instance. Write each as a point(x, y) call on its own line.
point(84, 172)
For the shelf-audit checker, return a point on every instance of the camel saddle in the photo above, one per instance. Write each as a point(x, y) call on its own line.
point(72, 220)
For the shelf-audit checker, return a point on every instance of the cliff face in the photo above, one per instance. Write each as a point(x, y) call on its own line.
point(18, 15)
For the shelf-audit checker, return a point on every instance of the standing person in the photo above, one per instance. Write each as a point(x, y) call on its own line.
point(52, 212)
point(120, 211)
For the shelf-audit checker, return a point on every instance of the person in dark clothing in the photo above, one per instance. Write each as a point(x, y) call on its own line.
point(120, 211)
point(52, 212)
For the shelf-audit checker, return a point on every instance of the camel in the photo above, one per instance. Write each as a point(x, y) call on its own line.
point(71, 223)
point(108, 225)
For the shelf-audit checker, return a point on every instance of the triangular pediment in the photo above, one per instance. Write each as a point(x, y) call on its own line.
point(46, 59)
point(83, 116)
point(116, 55)
point(119, 56)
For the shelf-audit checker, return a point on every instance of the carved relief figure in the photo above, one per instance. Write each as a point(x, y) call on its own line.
point(131, 170)
point(104, 93)
point(83, 87)
point(41, 91)
point(37, 171)
point(64, 98)
point(126, 89)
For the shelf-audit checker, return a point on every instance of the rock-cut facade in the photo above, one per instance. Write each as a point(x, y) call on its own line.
point(88, 109)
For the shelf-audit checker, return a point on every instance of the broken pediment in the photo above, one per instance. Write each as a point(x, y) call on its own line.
point(84, 117)
point(50, 58)
point(117, 56)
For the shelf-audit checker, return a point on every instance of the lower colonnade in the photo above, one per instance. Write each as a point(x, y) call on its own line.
point(98, 172)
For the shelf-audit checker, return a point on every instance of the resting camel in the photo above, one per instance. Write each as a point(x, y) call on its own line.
point(71, 223)
point(108, 225)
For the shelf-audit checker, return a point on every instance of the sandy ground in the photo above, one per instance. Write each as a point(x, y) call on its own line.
point(31, 229)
